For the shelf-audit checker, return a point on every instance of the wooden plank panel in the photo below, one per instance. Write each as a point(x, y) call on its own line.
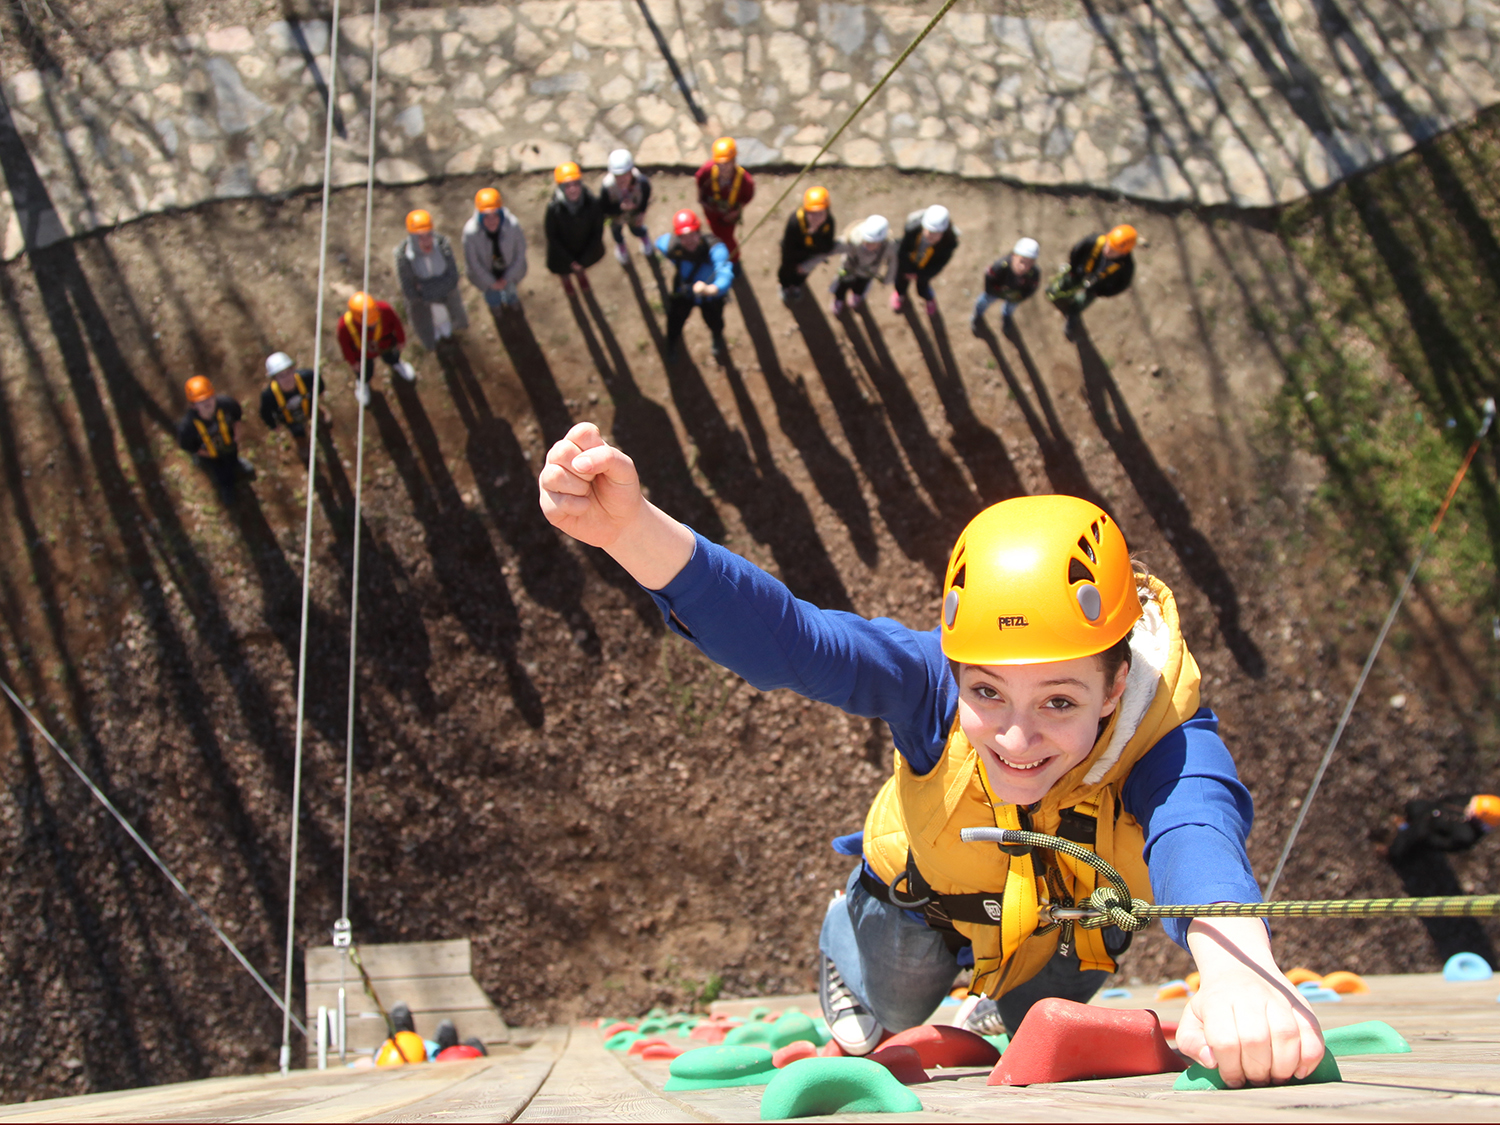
point(589, 1084)
point(422, 994)
point(497, 1093)
point(396, 959)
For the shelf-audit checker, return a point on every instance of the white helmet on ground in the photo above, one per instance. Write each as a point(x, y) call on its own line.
point(936, 218)
point(1028, 248)
point(876, 228)
point(620, 162)
point(276, 363)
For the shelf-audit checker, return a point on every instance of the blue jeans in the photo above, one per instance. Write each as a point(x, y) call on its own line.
point(901, 969)
point(498, 298)
point(985, 301)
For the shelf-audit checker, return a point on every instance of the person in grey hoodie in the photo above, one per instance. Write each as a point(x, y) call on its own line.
point(428, 273)
point(495, 251)
point(869, 255)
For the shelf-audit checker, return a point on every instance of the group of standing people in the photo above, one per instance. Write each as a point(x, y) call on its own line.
point(700, 266)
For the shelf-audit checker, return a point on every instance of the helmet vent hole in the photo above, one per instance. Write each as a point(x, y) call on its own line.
point(958, 578)
point(950, 608)
point(1089, 601)
point(1083, 545)
point(1077, 572)
point(1094, 528)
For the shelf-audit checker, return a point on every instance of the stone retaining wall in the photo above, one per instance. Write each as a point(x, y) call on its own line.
point(1241, 102)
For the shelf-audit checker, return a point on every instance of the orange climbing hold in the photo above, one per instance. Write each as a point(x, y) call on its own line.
point(938, 1045)
point(799, 1049)
point(1060, 1041)
point(1345, 983)
point(1191, 980)
point(615, 1028)
point(1299, 975)
point(1173, 990)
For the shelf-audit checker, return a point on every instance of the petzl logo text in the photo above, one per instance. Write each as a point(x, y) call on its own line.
point(1018, 621)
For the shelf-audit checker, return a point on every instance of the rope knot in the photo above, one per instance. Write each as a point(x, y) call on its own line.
point(1116, 909)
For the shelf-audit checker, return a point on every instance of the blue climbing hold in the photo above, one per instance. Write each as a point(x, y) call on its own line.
point(1314, 992)
point(1115, 994)
point(1467, 966)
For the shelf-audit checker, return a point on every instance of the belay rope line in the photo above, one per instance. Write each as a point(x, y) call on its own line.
point(1113, 905)
point(1390, 619)
point(103, 799)
point(839, 132)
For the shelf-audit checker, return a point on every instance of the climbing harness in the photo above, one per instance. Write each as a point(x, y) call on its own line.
point(283, 402)
point(839, 132)
point(1390, 619)
point(1113, 905)
point(109, 806)
point(721, 204)
point(209, 449)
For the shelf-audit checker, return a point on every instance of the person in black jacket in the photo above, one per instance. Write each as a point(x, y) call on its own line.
point(1010, 279)
point(575, 227)
point(1099, 266)
point(287, 399)
point(1449, 824)
point(809, 239)
point(210, 430)
point(926, 246)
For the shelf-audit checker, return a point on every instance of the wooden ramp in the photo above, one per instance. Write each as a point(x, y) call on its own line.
point(1452, 1074)
point(433, 977)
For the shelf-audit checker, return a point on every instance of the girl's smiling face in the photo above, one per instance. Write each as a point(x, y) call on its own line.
point(1032, 723)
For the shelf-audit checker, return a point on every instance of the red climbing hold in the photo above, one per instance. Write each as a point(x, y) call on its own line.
point(660, 1049)
point(1060, 1041)
point(831, 1050)
point(798, 1049)
point(615, 1028)
point(711, 1033)
point(904, 1063)
point(649, 1041)
point(939, 1045)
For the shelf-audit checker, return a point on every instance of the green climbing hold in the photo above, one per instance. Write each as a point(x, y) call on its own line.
point(651, 1026)
point(621, 1040)
point(760, 1012)
point(999, 1042)
point(813, 1087)
point(710, 1068)
point(791, 1027)
point(656, 1013)
point(1373, 1037)
point(1197, 1077)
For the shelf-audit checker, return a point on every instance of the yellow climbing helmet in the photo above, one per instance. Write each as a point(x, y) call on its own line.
point(1036, 579)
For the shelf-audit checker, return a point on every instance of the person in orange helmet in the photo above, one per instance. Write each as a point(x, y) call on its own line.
point(809, 239)
point(575, 227)
point(495, 251)
point(210, 431)
point(384, 336)
point(1100, 265)
point(428, 273)
point(1054, 692)
point(1449, 824)
point(724, 188)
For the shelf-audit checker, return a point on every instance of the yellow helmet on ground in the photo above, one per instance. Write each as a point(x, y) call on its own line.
point(1037, 579)
point(404, 1047)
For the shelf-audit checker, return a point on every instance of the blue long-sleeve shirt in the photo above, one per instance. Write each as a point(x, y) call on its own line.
point(1184, 792)
point(717, 270)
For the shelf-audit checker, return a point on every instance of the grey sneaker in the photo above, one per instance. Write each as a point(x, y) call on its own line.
point(985, 1019)
point(852, 1026)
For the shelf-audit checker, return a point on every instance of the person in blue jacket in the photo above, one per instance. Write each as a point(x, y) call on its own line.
point(701, 277)
point(1056, 694)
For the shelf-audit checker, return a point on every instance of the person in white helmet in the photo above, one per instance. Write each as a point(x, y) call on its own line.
point(625, 191)
point(1010, 279)
point(869, 255)
point(926, 246)
point(287, 399)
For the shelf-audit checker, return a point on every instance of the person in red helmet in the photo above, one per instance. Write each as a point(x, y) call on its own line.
point(724, 188)
point(701, 276)
point(383, 335)
point(575, 227)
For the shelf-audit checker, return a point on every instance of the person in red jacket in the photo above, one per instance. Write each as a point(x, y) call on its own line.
point(723, 190)
point(386, 336)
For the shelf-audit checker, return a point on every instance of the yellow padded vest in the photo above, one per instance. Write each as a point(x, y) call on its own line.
point(918, 816)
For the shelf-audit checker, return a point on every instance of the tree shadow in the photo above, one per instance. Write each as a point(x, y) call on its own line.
point(905, 513)
point(773, 511)
point(982, 450)
point(1167, 507)
point(1427, 873)
point(832, 475)
point(463, 558)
